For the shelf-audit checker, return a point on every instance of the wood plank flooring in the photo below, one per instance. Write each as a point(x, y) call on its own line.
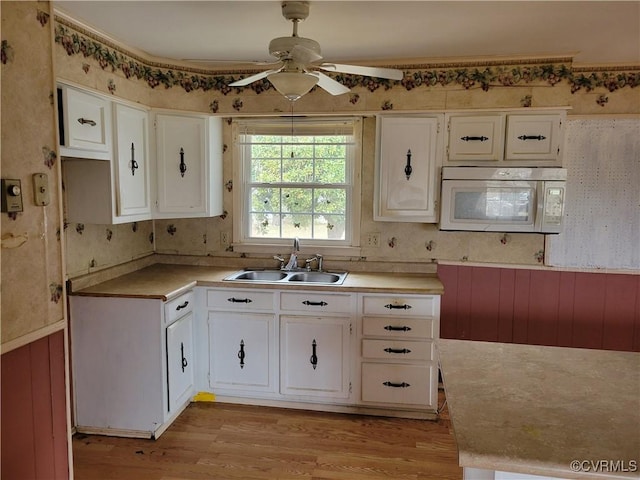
point(230, 442)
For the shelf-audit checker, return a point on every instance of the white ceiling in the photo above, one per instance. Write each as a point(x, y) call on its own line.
point(373, 31)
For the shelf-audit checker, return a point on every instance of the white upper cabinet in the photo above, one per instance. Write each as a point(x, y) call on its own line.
point(132, 161)
point(533, 137)
point(523, 138)
point(188, 165)
point(408, 152)
point(85, 124)
point(475, 137)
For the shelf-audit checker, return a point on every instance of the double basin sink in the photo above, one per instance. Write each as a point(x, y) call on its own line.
point(292, 277)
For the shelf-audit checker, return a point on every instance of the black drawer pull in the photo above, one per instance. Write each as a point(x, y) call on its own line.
point(184, 362)
point(184, 305)
point(391, 328)
point(397, 307)
point(397, 350)
point(315, 304)
point(239, 300)
point(314, 354)
point(396, 385)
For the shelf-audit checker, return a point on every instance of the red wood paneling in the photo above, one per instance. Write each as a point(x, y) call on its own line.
point(483, 323)
point(541, 307)
point(506, 293)
point(34, 426)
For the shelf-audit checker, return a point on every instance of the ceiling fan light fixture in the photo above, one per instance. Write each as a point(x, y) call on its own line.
point(293, 85)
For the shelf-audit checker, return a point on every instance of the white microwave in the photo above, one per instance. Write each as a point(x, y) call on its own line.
point(503, 199)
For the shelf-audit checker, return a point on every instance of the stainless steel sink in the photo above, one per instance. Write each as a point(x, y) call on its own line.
point(261, 275)
point(315, 277)
point(282, 276)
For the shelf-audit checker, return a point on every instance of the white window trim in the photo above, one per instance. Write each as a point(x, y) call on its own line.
point(274, 246)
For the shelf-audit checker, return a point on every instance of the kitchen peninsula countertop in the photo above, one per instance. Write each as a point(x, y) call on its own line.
point(165, 281)
point(535, 409)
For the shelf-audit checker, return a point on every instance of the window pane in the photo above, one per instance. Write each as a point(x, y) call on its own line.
point(331, 171)
point(296, 225)
point(265, 199)
point(297, 170)
point(330, 200)
point(264, 225)
point(297, 200)
point(329, 227)
point(265, 170)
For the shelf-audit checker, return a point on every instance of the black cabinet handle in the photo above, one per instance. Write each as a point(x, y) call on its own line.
point(397, 350)
point(239, 300)
point(474, 139)
point(184, 305)
point(183, 166)
point(241, 354)
point(532, 137)
point(396, 385)
point(391, 328)
point(407, 169)
point(315, 304)
point(397, 307)
point(314, 356)
point(134, 164)
point(86, 121)
point(184, 360)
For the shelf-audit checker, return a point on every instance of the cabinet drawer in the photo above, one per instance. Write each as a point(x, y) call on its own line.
point(533, 137)
point(240, 300)
point(315, 302)
point(404, 384)
point(397, 327)
point(476, 137)
point(399, 306)
point(397, 350)
point(178, 307)
point(87, 119)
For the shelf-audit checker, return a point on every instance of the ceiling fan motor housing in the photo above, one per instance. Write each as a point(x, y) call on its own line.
point(282, 46)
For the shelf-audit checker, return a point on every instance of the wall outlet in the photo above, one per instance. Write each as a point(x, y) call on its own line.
point(373, 240)
point(224, 239)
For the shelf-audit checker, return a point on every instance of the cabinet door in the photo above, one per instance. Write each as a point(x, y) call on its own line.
point(533, 137)
point(180, 361)
point(314, 356)
point(475, 138)
point(86, 123)
point(132, 194)
point(407, 167)
point(181, 169)
point(242, 346)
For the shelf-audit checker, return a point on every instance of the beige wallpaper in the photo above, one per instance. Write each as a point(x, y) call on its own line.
point(87, 60)
point(32, 274)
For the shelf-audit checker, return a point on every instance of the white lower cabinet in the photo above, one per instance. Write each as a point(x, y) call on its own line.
point(132, 363)
point(241, 356)
point(314, 356)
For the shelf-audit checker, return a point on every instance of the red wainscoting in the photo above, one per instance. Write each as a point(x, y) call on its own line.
point(34, 413)
point(541, 307)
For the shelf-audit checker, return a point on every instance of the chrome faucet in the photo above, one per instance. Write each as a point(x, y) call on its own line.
point(293, 259)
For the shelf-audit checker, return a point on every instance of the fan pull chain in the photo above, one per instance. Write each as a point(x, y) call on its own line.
point(292, 130)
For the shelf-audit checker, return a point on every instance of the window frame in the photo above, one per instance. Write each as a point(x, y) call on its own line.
point(243, 242)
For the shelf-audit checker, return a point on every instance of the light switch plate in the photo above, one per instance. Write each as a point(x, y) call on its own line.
point(41, 189)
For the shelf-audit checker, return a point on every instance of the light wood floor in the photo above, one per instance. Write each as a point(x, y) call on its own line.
point(224, 441)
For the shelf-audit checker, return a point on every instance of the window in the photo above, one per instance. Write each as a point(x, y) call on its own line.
point(297, 178)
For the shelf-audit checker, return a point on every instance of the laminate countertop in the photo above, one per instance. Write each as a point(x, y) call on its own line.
point(536, 409)
point(165, 281)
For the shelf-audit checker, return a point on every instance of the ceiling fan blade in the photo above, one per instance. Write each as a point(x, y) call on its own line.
point(329, 84)
point(229, 62)
point(304, 56)
point(253, 78)
point(379, 72)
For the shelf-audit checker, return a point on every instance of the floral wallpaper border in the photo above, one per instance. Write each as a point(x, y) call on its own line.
point(77, 41)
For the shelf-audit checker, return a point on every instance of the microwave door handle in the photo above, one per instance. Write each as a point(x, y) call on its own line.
point(539, 193)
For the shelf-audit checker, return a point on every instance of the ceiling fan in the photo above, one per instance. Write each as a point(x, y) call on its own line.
point(299, 60)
